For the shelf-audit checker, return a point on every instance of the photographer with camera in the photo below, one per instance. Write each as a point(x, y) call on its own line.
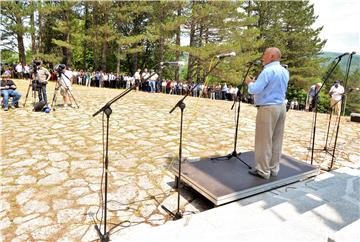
point(41, 75)
point(65, 83)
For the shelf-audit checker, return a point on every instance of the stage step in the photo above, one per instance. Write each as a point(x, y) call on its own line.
point(311, 210)
point(347, 234)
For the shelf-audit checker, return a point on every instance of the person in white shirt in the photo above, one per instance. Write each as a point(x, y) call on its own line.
point(137, 79)
point(336, 92)
point(153, 80)
point(20, 70)
point(144, 76)
point(65, 84)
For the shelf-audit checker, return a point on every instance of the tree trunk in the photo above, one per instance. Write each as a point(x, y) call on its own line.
point(21, 48)
point(86, 27)
point(191, 59)
point(66, 51)
point(105, 41)
point(199, 44)
point(161, 41)
point(95, 34)
point(20, 40)
point(33, 36)
point(177, 41)
point(118, 61)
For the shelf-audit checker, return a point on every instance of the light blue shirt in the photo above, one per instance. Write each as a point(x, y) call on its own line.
point(271, 85)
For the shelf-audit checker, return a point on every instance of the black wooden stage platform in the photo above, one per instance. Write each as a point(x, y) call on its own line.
point(224, 181)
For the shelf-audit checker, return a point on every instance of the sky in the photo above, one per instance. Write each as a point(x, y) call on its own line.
point(341, 21)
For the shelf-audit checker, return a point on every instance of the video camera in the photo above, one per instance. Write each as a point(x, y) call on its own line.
point(34, 66)
point(60, 68)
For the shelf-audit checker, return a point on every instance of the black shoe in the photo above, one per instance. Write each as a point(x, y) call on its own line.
point(256, 173)
point(16, 105)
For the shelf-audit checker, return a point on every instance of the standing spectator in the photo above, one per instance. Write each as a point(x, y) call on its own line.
point(336, 92)
point(153, 80)
point(145, 80)
point(137, 78)
point(269, 90)
point(26, 71)
point(19, 71)
point(224, 91)
point(311, 100)
point(163, 86)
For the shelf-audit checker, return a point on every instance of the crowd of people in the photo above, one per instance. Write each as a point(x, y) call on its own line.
point(145, 80)
point(149, 81)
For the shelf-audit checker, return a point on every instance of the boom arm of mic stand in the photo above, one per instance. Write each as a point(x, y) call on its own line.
point(187, 94)
point(109, 103)
point(182, 99)
point(327, 77)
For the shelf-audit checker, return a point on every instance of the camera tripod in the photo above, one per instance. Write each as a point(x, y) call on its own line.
point(63, 85)
point(33, 86)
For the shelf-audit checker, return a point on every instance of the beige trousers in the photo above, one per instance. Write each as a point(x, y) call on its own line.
point(270, 123)
point(336, 105)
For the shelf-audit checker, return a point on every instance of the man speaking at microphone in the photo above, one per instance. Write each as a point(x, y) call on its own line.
point(269, 92)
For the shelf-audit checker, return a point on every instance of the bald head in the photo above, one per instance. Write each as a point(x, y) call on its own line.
point(271, 54)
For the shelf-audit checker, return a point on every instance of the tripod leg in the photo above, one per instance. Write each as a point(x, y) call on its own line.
point(27, 94)
point(72, 97)
point(53, 102)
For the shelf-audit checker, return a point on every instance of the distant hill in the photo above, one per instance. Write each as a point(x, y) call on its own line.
point(330, 56)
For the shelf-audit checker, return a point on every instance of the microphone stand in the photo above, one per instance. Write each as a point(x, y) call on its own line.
point(238, 99)
point(343, 104)
point(180, 104)
point(326, 79)
point(106, 109)
point(343, 98)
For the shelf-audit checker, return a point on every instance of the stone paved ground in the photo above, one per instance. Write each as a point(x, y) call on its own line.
point(51, 163)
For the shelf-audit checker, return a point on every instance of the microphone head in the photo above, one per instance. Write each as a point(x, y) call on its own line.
point(255, 62)
point(230, 54)
point(178, 63)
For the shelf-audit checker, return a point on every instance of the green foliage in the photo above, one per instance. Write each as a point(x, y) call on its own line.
point(126, 35)
point(323, 105)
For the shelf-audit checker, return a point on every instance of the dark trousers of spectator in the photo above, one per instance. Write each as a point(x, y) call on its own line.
point(42, 92)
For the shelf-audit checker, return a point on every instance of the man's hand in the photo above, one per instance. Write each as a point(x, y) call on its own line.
point(248, 81)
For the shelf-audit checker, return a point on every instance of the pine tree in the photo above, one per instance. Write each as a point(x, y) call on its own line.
point(288, 26)
point(14, 15)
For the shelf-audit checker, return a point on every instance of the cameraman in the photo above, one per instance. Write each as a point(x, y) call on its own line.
point(42, 76)
point(65, 82)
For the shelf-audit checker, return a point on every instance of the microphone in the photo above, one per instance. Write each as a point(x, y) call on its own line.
point(226, 55)
point(255, 62)
point(340, 56)
point(353, 53)
point(354, 89)
point(172, 63)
